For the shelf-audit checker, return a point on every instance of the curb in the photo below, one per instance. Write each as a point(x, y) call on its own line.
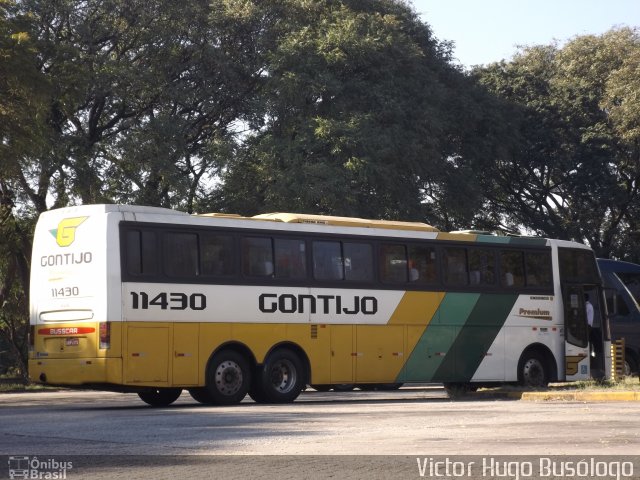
point(581, 396)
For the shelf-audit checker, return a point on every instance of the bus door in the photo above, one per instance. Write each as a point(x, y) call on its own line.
point(584, 340)
point(599, 345)
point(577, 362)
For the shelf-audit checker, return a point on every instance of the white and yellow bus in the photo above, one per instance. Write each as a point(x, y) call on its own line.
point(155, 301)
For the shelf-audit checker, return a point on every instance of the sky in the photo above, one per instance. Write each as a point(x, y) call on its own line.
point(486, 31)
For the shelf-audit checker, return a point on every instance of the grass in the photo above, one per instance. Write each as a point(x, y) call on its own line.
point(21, 387)
point(11, 382)
point(624, 384)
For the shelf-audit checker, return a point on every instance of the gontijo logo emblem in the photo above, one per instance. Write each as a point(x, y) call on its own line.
point(65, 234)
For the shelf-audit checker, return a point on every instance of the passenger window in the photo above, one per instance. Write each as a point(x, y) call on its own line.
point(422, 264)
point(455, 266)
point(181, 254)
point(358, 262)
point(327, 261)
point(393, 263)
point(257, 257)
point(290, 258)
point(512, 268)
point(623, 308)
point(142, 252)
point(482, 265)
point(216, 252)
point(538, 265)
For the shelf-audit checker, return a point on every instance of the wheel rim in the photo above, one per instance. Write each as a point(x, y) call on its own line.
point(228, 377)
point(533, 373)
point(283, 376)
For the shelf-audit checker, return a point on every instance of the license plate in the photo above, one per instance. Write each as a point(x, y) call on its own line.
point(72, 342)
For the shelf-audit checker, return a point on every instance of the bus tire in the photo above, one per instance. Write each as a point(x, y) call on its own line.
point(201, 395)
point(533, 370)
point(228, 377)
point(160, 397)
point(630, 363)
point(281, 377)
point(255, 391)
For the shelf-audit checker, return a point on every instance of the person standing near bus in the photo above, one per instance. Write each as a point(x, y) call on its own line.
point(589, 310)
point(595, 336)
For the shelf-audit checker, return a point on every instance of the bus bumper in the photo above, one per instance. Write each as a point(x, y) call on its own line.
point(78, 371)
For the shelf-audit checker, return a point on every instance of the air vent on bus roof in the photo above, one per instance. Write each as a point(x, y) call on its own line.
point(345, 221)
point(328, 220)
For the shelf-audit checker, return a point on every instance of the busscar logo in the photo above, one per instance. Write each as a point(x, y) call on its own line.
point(65, 234)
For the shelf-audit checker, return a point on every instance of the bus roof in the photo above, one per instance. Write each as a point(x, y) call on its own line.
point(617, 266)
point(330, 220)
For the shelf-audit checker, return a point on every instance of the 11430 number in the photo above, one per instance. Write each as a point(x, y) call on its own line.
point(171, 301)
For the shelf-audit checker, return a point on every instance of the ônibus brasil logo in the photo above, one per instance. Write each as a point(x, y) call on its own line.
point(65, 234)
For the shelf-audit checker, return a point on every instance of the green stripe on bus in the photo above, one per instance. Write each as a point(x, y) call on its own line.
point(476, 337)
point(492, 239)
point(437, 339)
point(513, 241)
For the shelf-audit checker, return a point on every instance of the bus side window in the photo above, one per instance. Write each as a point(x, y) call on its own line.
point(512, 268)
point(141, 252)
point(327, 261)
point(455, 266)
point(393, 263)
point(422, 264)
point(180, 254)
point(482, 265)
point(616, 304)
point(358, 262)
point(216, 255)
point(290, 258)
point(538, 266)
point(257, 257)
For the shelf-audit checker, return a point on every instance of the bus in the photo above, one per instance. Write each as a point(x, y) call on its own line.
point(156, 301)
point(622, 290)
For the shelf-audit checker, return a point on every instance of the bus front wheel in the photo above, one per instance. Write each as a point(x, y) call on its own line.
point(160, 397)
point(228, 377)
point(281, 377)
point(533, 371)
point(630, 363)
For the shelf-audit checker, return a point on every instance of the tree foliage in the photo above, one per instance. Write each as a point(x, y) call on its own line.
point(355, 116)
point(573, 170)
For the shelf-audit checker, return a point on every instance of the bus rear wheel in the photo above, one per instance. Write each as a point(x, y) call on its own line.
point(533, 371)
point(160, 397)
point(281, 377)
point(228, 378)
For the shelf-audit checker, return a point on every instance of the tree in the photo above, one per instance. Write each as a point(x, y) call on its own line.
point(22, 122)
point(573, 170)
point(355, 116)
point(143, 99)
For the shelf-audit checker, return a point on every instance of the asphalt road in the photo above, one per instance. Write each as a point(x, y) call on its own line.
point(411, 423)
